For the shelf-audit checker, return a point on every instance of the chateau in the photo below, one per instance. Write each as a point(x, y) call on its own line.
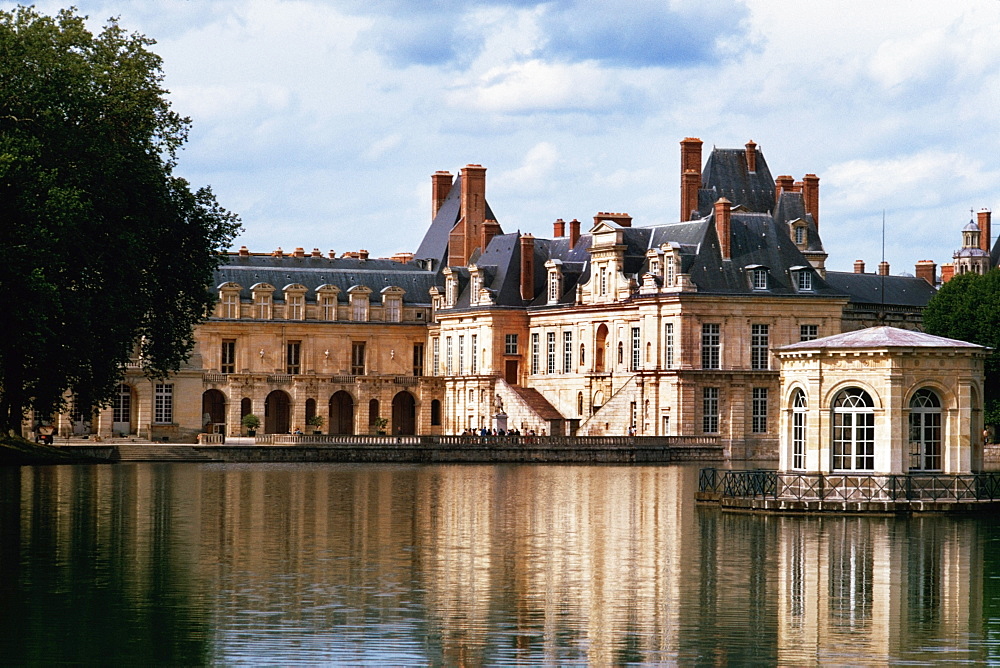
point(611, 327)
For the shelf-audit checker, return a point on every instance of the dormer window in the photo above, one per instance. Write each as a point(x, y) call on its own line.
point(229, 300)
point(803, 279)
point(799, 230)
point(670, 274)
point(262, 296)
point(326, 298)
point(295, 302)
point(554, 287)
point(392, 304)
point(758, 277)
point(450, 288)
point(359, 303)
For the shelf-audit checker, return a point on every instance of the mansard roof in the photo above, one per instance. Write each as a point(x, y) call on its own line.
point(314, 272)
point(726, 174)
point(790, 207)
point(879, 337)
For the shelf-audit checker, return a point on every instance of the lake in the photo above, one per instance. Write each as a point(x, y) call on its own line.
point(193, 564)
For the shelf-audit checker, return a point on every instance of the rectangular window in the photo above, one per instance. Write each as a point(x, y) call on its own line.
point(230, 305)
point(293, 357)
point(510, 344)
point(474, 355)
point(798, 437)
point(710, 410)
point(534, 352)
point(461, 354)
point(604, 281)
point(758, 411)
point(711, 346)
point(393, 309)
point(359, 309)
point(358, 358)
point(448, 368)
point(808, 332)
point(228, 357)
point(295, 306)
point(329, 307)
point(436, 356)
point(163, 403)
point(760, 279)
point(262, 306)
point(670, 271)
point(804, 281)
point(553, 287)
point(418, 359)
point(567, 352)
point(668, 345)
point(760, 357)
point(636, 349)
point(550, 350)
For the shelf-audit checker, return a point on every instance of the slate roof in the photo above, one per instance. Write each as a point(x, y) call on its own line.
point(726, 175)
point(869, 288)
point(879, 337)
point(313, 272)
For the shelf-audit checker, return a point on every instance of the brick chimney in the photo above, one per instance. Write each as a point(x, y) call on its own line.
point(751, 156)
point(299, 252)
point(810, 196)
point(927, 270)
point(883, 268)
point(783, 183)
point(316, 253)
point(491, 228)
point(362, 254)
point(333, 254)
point(947, 272)
point(278, 252)
point(690, 175)
point(859, 266)
point(468, 232)
point(440, 187)
point(244, 251)
point(527, 267)
point(574, 232)
point(984, 229)
point(558, 228)
point(723, 225)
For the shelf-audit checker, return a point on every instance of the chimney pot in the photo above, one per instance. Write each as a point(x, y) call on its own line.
point(333, 254)
point(278, 252)
point(859, 266)
point(751, 156)
point(947, 272)
point(316, 253)
point(244, 251)
point(362, 254)
point(559, 228)
point(300, 252)
point(883, 268)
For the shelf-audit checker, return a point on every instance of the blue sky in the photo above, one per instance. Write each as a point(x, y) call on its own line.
point(320, 122)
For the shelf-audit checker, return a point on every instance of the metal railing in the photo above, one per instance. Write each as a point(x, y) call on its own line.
point(769, 484)
point(567, 442)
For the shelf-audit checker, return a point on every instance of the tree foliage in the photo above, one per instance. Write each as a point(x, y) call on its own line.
point(104, 252)
point(968, 308)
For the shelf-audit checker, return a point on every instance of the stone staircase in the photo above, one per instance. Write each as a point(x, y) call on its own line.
point(160, 452)
point(537, 402)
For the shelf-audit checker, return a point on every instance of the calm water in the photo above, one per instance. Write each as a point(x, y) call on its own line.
point(189, 564)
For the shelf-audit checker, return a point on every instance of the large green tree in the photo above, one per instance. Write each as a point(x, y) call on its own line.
point(104, 252)
point(968, 308)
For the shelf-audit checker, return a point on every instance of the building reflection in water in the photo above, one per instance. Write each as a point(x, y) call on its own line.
point(467, 565)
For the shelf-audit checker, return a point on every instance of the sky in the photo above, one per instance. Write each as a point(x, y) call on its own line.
point(320, 122)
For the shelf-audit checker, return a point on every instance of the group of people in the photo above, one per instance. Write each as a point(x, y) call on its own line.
point(498, 432)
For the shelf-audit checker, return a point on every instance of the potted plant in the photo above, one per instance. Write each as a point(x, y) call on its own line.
point(380, 424)
point(316, 421)
point(251, 422)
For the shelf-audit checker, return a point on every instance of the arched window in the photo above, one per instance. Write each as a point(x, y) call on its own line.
point(853, 431)
point(799, 408)
point(925, 431)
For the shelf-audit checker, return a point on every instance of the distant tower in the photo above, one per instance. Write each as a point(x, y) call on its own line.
point(971, 258)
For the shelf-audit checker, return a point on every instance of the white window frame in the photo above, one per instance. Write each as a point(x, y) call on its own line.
point(163, 403)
